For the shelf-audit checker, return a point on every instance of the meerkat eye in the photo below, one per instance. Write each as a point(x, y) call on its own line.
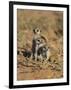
point(38, 40)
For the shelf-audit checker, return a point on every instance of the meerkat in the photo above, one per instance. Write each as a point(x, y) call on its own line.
point(39, 45)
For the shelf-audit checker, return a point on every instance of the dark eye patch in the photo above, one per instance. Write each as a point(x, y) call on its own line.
point(39, 40)
point(37, 30)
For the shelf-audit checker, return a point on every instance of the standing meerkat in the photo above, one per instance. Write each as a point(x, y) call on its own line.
point(39, 45)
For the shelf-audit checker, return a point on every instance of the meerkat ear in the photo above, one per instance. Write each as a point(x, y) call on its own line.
point(34, 30)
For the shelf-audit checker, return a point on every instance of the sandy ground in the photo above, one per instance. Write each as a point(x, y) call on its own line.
point(51, 26)
point(32, 70)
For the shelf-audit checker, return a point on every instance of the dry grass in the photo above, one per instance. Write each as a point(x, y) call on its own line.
point(51, 25)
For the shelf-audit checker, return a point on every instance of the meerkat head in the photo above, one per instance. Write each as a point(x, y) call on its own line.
point(36, 31)
point(38, 41)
